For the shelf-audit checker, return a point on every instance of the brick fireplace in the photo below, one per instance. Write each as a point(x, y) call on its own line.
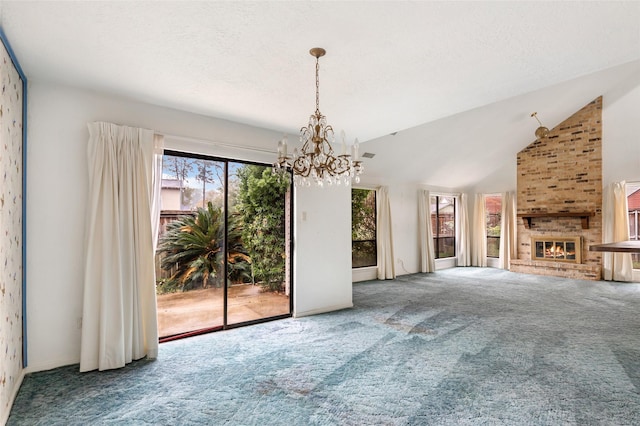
point(559, 196)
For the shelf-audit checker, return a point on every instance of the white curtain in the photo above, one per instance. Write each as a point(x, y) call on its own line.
point(464, 240)
point(427, 254)
point(615, 217)
point(119, 322)
point(386, 268)
point(508, 231)
point(479, 230)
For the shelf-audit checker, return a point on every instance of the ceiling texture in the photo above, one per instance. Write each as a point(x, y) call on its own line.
point(457, 81)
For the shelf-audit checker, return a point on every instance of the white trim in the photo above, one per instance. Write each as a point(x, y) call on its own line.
point(364, 274)
point(50, 365)
point(322, 310)
point(217, 149)
point(455, 195)
point(209, 143)
point(447, 262)
point(493, 262)
point(365, 186)
point(5, 416)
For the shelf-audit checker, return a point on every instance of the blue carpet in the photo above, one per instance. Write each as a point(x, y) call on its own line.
point(463, 346)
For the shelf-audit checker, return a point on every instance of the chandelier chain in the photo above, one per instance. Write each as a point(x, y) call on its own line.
point(317, 85)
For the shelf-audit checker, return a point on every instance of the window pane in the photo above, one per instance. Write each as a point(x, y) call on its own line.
point(443, 221)
point(493, 246)
point(363, 253)
point(363, 228)
point(258, 285)
point(446, 216)
point(493, 211)
point(189, 284)
point(446, 247)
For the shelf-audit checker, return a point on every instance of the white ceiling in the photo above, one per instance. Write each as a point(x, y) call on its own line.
point(457, 77)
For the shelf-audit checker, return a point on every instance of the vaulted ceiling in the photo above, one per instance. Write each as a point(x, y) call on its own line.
point(457, 81)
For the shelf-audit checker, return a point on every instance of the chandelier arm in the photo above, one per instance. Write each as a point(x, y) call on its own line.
point(300, 168)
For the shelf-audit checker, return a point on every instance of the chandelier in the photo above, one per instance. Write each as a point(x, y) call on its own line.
point(316, 162)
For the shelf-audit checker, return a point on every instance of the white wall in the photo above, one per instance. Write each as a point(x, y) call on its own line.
point(621, 133)
point(404, 217)
point(57, 191)
point(403, 199)
point(322, 250)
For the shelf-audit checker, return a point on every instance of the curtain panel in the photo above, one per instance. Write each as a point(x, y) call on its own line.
point(427, 253)
point(464, 240)
point(119, 312)
point(508, 231)
point(615, 218)
point(479, 237)
point(386, 269)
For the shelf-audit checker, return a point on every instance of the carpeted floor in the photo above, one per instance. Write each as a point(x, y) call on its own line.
point(464, 346)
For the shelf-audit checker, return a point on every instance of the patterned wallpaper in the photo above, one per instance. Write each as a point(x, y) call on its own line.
point(10, 230)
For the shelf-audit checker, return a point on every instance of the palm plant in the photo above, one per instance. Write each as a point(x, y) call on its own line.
point(238, 261)
point(193, 247)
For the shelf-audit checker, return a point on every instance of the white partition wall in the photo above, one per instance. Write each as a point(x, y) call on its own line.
point(322, 250)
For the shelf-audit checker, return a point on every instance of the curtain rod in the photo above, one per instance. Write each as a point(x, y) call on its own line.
point(215, 143)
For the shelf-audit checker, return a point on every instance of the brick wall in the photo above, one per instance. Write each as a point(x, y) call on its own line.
point(563, 173)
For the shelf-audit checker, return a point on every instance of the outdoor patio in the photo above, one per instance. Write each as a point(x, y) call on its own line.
point(198, 309)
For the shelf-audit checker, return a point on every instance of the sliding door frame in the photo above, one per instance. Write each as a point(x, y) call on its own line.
point(225, 325)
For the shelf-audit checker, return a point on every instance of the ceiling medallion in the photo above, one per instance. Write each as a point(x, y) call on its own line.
point(316, 163)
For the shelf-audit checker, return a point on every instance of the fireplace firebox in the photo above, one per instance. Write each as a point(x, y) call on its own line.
point(556, 249)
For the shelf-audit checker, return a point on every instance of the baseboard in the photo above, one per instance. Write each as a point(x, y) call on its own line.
point(364, 274)
point(49, 365)
point(14, 393)
point(446, 263)
point(322, 310)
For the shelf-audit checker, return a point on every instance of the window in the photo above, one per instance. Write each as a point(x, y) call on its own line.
point(363, 228)
point(633, 204)
point(493, 209)
point(443, 224)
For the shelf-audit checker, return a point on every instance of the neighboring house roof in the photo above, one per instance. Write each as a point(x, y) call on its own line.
point(170, 184)
point(493, 204)
point(634, 200)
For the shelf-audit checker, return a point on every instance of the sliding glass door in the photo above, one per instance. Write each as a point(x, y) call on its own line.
point(223, 252)
point(258, 237)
